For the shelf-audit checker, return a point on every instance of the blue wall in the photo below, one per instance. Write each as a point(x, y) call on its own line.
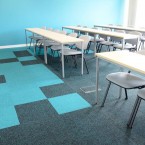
point(15, 15)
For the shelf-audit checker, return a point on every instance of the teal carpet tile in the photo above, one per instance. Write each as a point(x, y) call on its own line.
point(8, 117)
point(68, 103)
point(26, 58)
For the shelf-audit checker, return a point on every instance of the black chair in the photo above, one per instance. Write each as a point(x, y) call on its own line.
point(140, 96)
point(124, 80)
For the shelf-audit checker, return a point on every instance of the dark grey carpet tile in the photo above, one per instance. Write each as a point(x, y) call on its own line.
point(84, 128)
point(77, 82)
point(56, 90)
point(30, 62)
point(36, 111)
point(91, 126)
point(2, 79)
point(22, 53)
point(34, 133)
point(9, 60)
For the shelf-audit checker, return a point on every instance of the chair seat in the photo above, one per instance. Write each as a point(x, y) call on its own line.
point(108, 43)
point(50, 43)
point(69, 51)
point(58, 47)
point(36, 37)
point(141, 93)
point(97, 39)
point(127, 46)
point(142, 38)
point(126, 80)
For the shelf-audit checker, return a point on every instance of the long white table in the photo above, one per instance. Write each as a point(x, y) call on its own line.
point(121, 36)
point(60, 38)
point(130, 60)
point(122, 28)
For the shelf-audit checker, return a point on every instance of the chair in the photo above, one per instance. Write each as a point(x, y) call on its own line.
point(124, 80)
point(76, 31)
point(131, 44)
point(106, 41)
point(112, 41)
point(36, 37)
point(142, 41)
point(48, 43)
point(62, 32)
point(103, 41)
point(119, 31)
point(55, 48)
point(50, 29)
point(140, 97)
point(83, 33)
point(77, 52)
point(98, 39)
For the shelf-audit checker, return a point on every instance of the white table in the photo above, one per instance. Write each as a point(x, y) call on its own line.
point(122, 28)
point(130, 60)
point(121, 36)
point(60, 38)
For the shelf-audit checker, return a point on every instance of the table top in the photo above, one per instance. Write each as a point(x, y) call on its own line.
point(108, 33)
point(122, 28)
point(130, 60)
point(61, 38)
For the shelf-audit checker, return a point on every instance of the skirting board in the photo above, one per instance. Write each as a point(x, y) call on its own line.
point(14, 46)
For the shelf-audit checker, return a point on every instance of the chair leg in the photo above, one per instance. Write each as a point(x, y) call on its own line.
point(114, 48)
point(86, 66)
point(126, 96)
point(100, 47)
point(108, 48)
point(140, 44)
point(120, 92)
point(134, 112)
point(106, 93)
point(75, 62)
point(30, 43)
point(97, 47)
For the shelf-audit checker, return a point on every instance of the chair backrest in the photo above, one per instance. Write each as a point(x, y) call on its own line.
point(106, 29)
point(119, 31)
point(56, 30)
point(92, 34)
point(76, 31)
point(43, 27)
point(119, 25)
point(103, 36)
point(86, 39)
point(73, 35)
point(62, 32)
point(135, 33)
point(50, 29)
point(84, 33)
point(115, 39)
point(134, 41)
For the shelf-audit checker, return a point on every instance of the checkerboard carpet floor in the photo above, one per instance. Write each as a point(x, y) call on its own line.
point(38, 107)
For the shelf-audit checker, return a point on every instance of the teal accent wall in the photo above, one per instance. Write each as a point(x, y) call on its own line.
point(16, 15)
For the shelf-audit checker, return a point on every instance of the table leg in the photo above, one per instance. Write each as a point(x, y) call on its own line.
point(26, 38)
point(123, 43)
point(34, 46)
point(82, 58)
point(97, 78)
point(62, 61)
point(45, 51)
point(94, 44)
